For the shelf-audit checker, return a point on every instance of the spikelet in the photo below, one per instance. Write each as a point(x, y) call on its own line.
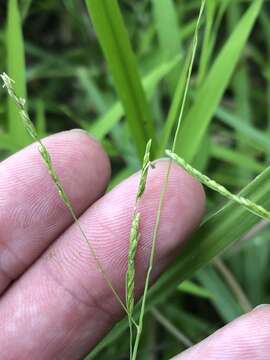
point(249, 205)
point(134, 233)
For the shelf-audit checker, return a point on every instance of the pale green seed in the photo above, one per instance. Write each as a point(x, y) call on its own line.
point(248, 204)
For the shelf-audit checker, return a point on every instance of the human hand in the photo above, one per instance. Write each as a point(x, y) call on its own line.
point(54, 302)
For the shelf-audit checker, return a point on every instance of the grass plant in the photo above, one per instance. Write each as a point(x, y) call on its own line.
point(207, 129)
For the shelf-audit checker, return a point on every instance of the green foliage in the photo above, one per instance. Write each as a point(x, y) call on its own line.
point(16, 69)
point(113, 37)
point(104, 124)
point(224, 133)
point(169, 33)
point(249, 205)
point(214, 85)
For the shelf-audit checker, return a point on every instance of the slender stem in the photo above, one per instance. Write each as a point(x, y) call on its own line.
point(150, 266)
point(171, 328)
point(194, 49)
point(248, 204)
point(164, 188)
point(29, 126)
point(233, 284)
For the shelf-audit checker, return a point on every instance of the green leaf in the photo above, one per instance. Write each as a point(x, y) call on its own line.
point(91, 90)
point(256, 277)
point(7, 143)
point(175, 107)
point(103, 125)
point(16, 70)
point(167, 27)
point(180, 96)
point(40, 119)
point(222, 298)
point(209, 95)
point(235, 157)
point(168, 31)
point(207, 46)
point(113, 37)
point(25, 7)
point(191, 288)
point(249, 133)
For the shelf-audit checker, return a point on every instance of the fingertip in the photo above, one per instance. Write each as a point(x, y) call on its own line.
point(261, 307)
point(247, 337)
point(88, 146)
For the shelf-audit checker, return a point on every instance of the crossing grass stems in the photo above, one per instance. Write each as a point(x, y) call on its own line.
point(134, 238)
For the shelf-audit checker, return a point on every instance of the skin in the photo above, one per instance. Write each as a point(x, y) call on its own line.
point(54, 302)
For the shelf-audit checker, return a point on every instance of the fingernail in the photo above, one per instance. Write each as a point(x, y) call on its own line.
point(160, 159)
point(82, 131)
point(260, 307)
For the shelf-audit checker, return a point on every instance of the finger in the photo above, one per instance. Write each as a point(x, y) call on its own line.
point(247, 338)
point(31, 213)
point(62, 304)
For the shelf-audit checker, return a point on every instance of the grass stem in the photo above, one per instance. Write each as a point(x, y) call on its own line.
point(246, 203)
point(164, 188)
point(30, 128)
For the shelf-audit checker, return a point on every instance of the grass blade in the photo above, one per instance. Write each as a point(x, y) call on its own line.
point(40, 119)
point(167, 27)
point(207, 46)
point(16, 69)
point(6, 143)
point(191, 288)
point(168, 32)
point(104, 124)
point(235, 157)
point(180, 96)
point(113, 37)
point(25, 7)
point(249, 134)
point(199, 116)
point(222, 298)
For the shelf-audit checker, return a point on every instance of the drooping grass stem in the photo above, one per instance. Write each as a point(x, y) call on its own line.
point(249, 205)
point(30, 128)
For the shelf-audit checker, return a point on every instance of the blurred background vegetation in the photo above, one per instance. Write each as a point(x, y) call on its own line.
point(52, 50)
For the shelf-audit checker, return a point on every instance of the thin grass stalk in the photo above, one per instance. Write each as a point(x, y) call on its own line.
point(233, 284)
point(164, 188)
point(171, 328)
point(30, 128)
